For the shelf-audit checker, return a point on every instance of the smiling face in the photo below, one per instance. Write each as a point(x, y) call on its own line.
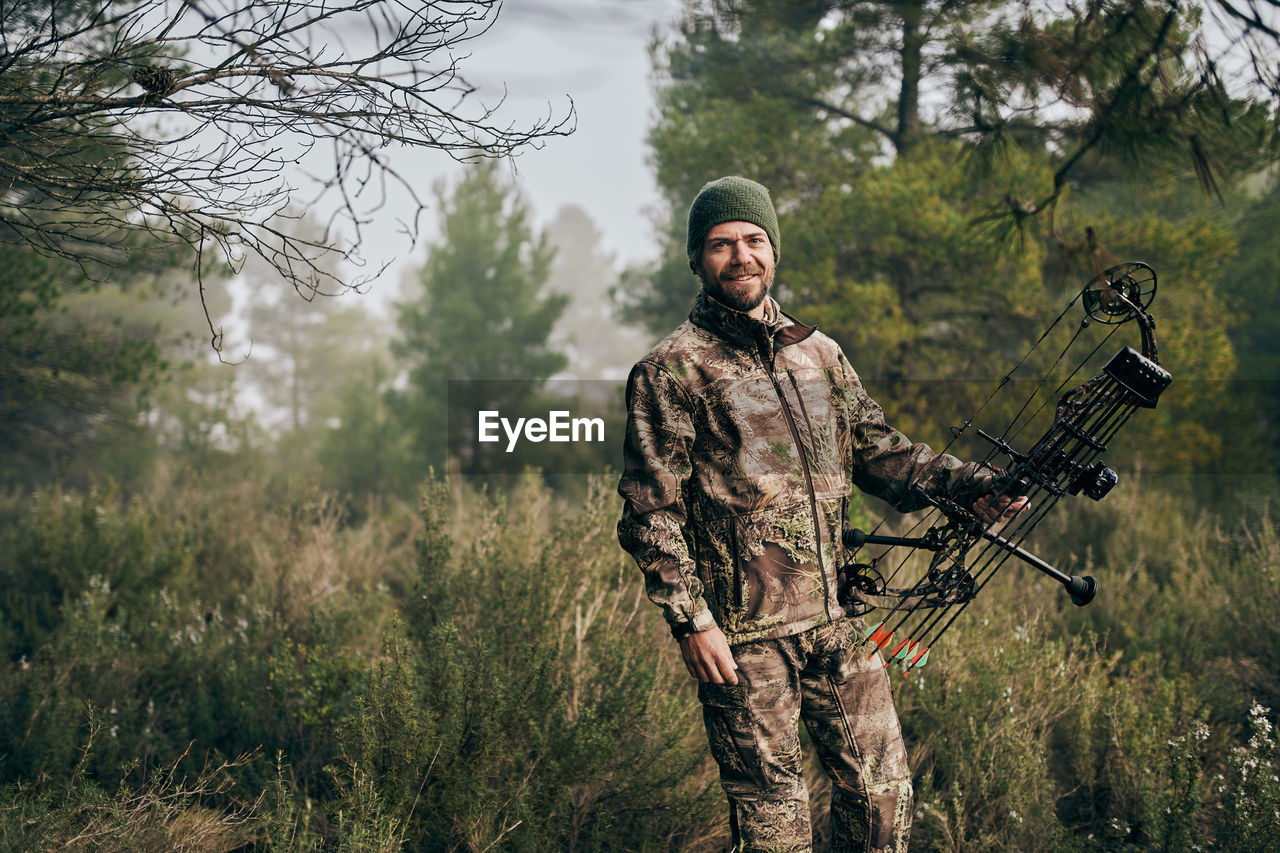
point(736, 266)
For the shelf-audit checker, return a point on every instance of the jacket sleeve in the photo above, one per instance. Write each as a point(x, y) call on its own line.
point(655, 472)
point(885, 463)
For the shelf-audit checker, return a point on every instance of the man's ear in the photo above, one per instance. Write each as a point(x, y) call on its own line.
point(693, 266)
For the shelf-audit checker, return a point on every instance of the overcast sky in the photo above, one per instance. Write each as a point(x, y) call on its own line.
point(546, 52)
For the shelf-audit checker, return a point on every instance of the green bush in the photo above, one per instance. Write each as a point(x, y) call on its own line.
point(524, 696)
point(233, 668)
point(1248, 816)
point(548, 717)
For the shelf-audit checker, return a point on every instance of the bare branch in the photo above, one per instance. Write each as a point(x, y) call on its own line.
point(189, 121)
point(836, 110)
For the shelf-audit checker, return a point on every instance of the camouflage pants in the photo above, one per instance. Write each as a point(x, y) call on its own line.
point(819, 676)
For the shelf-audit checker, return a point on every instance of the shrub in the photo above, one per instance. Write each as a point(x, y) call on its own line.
point(490, 676)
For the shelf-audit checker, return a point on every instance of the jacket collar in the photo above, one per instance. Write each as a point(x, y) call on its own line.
point(745, 330)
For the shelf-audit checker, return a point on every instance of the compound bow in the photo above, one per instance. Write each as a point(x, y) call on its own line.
point(966, 552)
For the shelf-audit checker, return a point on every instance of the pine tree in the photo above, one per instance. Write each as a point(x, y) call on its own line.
point(595, 340)
point(475, 334)
point(933, 237)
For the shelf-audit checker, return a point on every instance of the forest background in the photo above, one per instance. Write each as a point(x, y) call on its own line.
point(262, 603)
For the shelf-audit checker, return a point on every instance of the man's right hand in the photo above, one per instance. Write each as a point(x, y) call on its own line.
point(706, 654)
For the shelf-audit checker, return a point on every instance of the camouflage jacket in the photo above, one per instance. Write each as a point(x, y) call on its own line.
point(742, 446)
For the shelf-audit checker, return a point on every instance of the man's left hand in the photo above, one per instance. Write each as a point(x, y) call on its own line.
point(993, 509)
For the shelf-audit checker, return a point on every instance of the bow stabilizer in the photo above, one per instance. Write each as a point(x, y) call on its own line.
point(964, 552)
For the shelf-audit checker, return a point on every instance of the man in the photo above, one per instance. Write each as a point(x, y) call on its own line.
point(747, 430)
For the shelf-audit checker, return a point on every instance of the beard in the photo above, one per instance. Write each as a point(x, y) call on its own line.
point(739, 297)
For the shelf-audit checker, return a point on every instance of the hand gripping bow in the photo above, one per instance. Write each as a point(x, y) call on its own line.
point(963, 552)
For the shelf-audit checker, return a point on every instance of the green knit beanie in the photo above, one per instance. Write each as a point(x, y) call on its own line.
point(731, 199)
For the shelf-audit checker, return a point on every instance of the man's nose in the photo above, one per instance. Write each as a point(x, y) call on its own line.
point(740, 254)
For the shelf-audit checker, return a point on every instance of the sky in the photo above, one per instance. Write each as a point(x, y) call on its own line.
point(549, 54)
point(542, 56)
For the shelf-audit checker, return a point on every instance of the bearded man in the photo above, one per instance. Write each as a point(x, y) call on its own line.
point(746, 432)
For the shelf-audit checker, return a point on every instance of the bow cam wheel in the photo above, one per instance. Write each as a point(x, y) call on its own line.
point(1120, 292)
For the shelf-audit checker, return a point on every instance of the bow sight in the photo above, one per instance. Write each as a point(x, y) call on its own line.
point(965, 551)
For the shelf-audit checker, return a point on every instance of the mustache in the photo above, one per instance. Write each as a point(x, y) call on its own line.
point(735, 270)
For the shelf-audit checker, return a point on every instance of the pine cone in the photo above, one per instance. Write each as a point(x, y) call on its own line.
point(156, 80)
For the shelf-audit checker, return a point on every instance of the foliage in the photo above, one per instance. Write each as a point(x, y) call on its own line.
point(366, 456)
point(283, 679)
point(178, 627)
point(1128, 722)
point(1250, 794)
point(163, 120)
point(169, 811)
point(1248, 285)
point(555, 725)
point(934, 238)
point(476, 335)
point(539, 724)
point(231, 647)
point(322, 372)
point(79, 363)
point(590, 332)
point(302, 347)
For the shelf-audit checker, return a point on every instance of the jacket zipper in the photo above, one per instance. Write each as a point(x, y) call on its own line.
point(808, 480)
point(736, 557)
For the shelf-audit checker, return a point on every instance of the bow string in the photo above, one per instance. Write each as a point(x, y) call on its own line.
point(963, 552)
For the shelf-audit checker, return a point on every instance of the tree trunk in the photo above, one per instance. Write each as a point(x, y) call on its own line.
point(908, 130)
